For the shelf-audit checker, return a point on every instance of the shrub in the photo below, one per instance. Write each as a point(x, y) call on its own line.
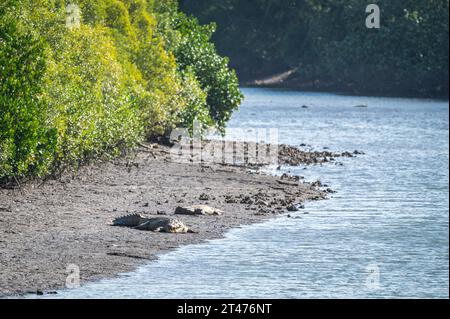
point(26, 143)
point(71, 94)
point(196, 52)
point(90, 96)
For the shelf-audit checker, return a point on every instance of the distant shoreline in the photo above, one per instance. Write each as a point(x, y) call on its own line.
point(44, 228)
point(340, 91)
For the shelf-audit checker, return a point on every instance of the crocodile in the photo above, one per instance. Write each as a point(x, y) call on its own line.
point(198, 210)
point(157, 224)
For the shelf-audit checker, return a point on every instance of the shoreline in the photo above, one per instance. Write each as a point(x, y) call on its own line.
point(46, 227)
point(293, 88)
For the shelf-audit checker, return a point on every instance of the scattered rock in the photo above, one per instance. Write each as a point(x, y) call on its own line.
point(347, 154)
point(247, 200)
point(290, 178)
point(230, 199)
point(205, 197)
point(292, 156)
point(288, 183)
point(317, 184)
point(262, 203)
point(295, 207)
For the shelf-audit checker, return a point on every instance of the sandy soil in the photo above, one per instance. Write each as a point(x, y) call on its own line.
point(45, 227)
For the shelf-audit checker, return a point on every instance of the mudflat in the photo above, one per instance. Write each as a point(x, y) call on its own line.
point(45, 227)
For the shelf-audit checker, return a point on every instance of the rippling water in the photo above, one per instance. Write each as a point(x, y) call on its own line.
point(385, 234)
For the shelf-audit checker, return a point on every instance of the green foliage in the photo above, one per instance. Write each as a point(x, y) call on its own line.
point(196, 102)
point(407, 55)
point(196, 52)
point(90, 95)
point(328, 42)
point(71, 94)
point(26, 144)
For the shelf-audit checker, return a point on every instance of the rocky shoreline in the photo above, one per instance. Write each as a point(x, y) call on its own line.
point(46, 227)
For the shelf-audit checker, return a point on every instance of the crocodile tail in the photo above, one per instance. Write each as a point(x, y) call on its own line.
point(133, 220)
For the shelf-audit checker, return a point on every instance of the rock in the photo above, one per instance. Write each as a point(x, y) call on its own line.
point(346, 154)
point(317, 184)
point(198, 210)
point(262, 203)
point(295, 207)
point(247, 200)
point(260, 214)
point(204, 197)
point(290, 178)
point(230, 199)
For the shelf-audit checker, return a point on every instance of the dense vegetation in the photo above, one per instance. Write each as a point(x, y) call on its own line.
point(327, 40)
point(84, 78)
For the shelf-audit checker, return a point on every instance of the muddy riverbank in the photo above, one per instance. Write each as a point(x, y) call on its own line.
point(45, 227)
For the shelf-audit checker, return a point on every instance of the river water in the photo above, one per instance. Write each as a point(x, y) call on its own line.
point(385, 234)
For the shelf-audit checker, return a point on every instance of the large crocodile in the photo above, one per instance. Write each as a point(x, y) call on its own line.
point(157, 224)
